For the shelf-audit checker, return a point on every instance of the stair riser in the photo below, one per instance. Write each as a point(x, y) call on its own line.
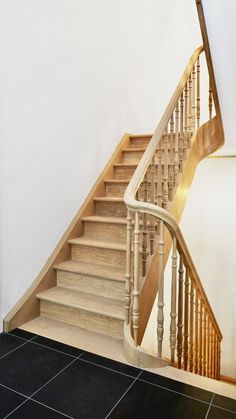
point(130, 156)
point(118, 190)
point(91, 284)
point(124, 172)
point(105, 231)
point(111, 209)
point(98, 255)
point(139, 142)
point(94, 322)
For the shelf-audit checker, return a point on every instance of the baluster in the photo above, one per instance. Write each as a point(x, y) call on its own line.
point(193, 98)
point(180, 312)
point(200, 338)
point(204, 343)
point(198, 93)
point(165, 174)
point(210, 100)
point(210, 352)
point(136, 280)
point(171, 158)
point(196, 333)
point(128, 269)
point(159, 174)
point(190, 106)
point(144, 229)
point(213, 353)
point(173, 301)
point(152, 198)
point(185, 121)
point(176, 167)
point(186, 318)
point(218, 353)
point(216, 357)
point(160, 304)
point(181, 138)
point(208, 346)
point(191, 327)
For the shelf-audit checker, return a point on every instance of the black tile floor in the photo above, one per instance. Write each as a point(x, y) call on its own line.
point(44, 379)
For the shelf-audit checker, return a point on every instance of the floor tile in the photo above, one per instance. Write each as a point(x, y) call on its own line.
point(58, 346)
point(8, 343)
point(84, 391)
point(32, 410)
point(22, 334)
point(8, 401)
point(28, 368)
point(109, 363)
point(217, 413)
point(225, 402)
point(145, 401)
point(194, 392)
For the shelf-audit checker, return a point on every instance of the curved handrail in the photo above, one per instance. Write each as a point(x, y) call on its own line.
point(157, 211)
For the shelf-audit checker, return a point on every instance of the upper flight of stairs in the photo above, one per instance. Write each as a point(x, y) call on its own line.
point(89, 295)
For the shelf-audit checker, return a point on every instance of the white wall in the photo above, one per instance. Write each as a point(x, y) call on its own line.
point(74, 76)
point(220, 18)
point(209, 228)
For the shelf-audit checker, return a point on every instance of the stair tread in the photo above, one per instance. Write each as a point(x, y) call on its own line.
point(138, 136)
point(117, 181)
point(108, 198)
point(100, 219)
point(99, 270)
point(125, 165)
point(134, 149)
point(90, 302)
point(98, 243)
point(77, 337)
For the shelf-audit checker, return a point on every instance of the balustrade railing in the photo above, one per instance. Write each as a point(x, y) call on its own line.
point(194, 334)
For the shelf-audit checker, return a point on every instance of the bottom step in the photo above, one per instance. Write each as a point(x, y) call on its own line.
point(77, 337)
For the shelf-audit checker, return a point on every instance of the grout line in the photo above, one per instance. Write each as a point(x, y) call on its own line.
point(174, 391)
point(131, 385)
point(51, 408)
point(209, 408)
point(110, 369)
point(15, 409)
point(14, 391)
point(223, 408)
point(63, 369)
point(20, 346)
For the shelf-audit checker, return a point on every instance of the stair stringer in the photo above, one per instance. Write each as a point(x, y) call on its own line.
point(207, 139)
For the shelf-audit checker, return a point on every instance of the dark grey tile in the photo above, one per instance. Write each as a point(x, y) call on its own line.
point(217, 413)
point(225, 402)
point(58, 346)
point(84, 390)
point(195, 392)
point(8, 401)
point(109, 363)
point(8, 343)
point(22, 334)
point(145, 401)
point(28, 368)
point(33, 410)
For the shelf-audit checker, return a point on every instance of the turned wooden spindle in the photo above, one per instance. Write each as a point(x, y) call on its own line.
point(204, 355)
point(198, 93)
point(185, 142)
point(200, 338)
point(186, 318)
point(160, 304)
point(213, 353)
point(159, 174)
point(196, 329)
point(152, 199)
point(210, 102)
point(128, 268)
point(176, 149)
point(208, 346)
point(166, 171)
point(136, 313)
point(219, 355)
point(181, 137)
point(171, 158)
point(210, 350)
point(144, 229)
point(191, 326)
point(193, 98)
point(180, 312)
point(173, 301)
point(190, 105)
